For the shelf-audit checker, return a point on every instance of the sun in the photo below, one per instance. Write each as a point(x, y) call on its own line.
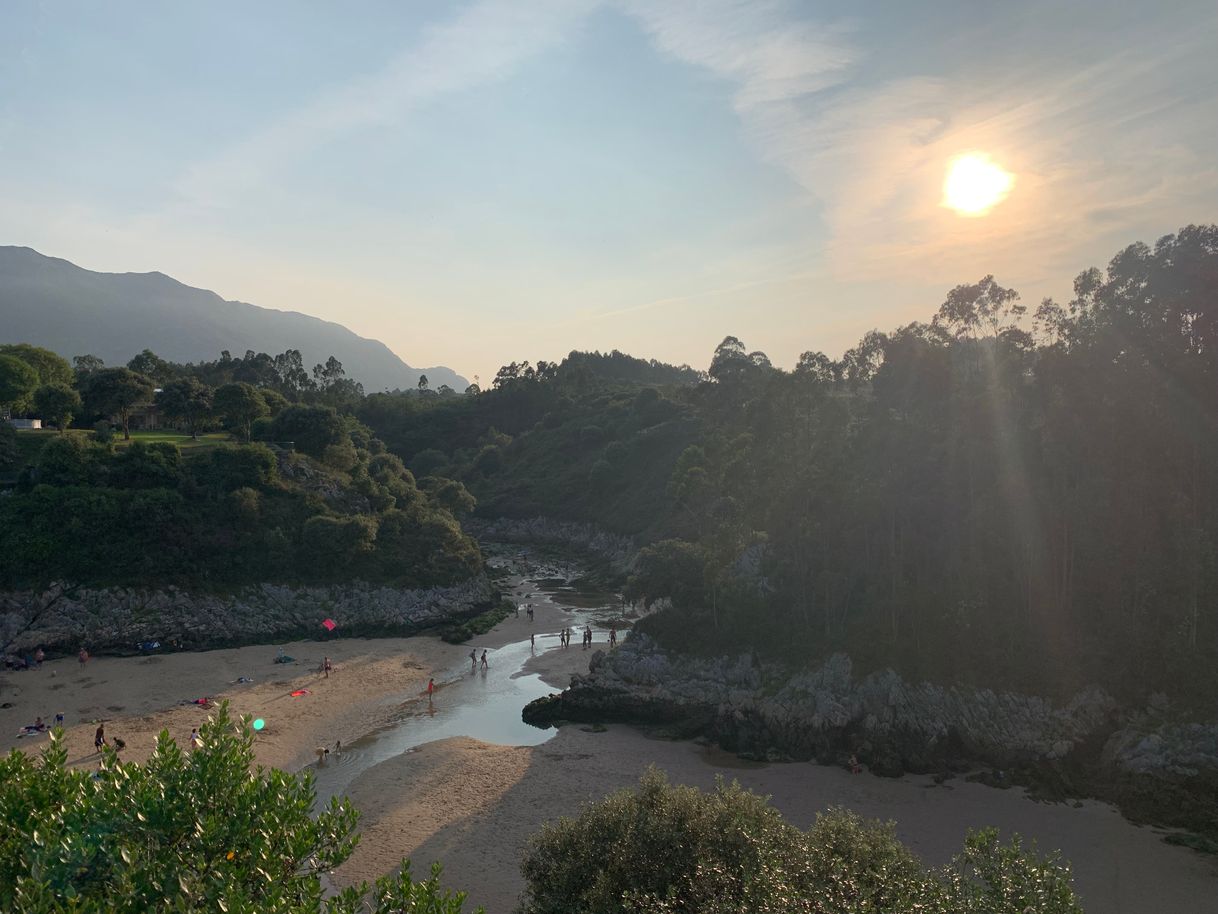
point(975, 185)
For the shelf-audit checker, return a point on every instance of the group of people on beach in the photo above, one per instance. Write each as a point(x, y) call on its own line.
point(473, 660)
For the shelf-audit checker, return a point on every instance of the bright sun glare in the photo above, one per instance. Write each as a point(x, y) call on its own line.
point(975, 185)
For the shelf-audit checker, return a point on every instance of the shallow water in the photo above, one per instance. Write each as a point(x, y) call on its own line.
point(482, 704)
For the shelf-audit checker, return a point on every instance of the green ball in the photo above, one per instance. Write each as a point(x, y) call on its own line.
point(259, 724)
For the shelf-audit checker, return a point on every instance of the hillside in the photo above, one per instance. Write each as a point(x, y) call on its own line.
point(74, 311)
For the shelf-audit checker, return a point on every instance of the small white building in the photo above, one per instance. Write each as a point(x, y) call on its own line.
point(25, 423)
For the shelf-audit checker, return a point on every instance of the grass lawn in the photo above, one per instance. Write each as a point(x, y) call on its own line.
point(30, 441)
point(181, 439)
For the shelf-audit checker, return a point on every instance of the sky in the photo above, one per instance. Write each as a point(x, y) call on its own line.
point(485, 182)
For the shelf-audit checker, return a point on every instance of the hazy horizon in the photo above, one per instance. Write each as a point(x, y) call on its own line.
point(482, 183)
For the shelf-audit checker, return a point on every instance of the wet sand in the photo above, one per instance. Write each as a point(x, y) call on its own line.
point(473, 806)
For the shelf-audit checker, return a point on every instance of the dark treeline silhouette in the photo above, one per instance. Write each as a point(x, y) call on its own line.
point(1001, 495)
point(993, 496)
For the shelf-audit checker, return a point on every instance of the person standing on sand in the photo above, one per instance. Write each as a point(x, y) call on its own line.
point(99, 738)
point(325, 666)
point(196, 741)
point(613, 637)
point(484, 664)
point(83, 657)
point(431, 688)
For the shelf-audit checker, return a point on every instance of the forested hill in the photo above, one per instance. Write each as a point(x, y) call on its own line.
point(999, 494)
point(73, 311)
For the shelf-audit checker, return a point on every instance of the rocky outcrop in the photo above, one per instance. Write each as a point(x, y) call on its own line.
point(619, 551)
point(894, 726)
point(118, 619)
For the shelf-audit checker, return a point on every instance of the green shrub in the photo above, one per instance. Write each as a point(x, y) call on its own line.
point(662, 849)
point(479, 625)
point(10, 450)
point(186, 832)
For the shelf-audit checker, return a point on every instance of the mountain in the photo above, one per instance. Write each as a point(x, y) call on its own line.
point(72, 311)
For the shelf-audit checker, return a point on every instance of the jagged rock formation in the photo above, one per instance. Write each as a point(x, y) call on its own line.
point(63, 619)
point(618, 551)
point(1155, 766)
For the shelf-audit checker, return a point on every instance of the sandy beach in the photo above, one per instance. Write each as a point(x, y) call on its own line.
point(473, 806)
point(138, 697)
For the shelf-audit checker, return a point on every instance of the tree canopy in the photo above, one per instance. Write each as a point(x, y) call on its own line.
point(662, 849)
point(189, 832)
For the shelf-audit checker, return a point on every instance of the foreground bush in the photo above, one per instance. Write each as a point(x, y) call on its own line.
point(663, 849)
point(186, 832)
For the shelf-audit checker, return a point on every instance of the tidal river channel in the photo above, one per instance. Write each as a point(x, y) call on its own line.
point(485, 704)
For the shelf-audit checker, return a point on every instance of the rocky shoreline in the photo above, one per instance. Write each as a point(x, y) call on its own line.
point(1155, 766)
point(615, 551)
point(116, 620)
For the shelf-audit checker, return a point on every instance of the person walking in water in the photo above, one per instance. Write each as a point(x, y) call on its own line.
point(532, 641)
point(473, 659)
point(613, 637)
point(484, 664)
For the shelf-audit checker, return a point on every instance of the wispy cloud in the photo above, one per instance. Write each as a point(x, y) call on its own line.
point(484, 43)
point(1086, 142)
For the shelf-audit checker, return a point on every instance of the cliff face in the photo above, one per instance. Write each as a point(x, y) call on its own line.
point(118, 619)
point(1155, 765)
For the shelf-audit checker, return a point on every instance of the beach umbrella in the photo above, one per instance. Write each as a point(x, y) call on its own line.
point(329, 624)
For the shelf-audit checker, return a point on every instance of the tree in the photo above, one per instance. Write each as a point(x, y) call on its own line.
point(240, 404)
point(152, 366)
point(10, 450)
point(84, 364)
point(116, 392)
point(983, 305)
point(187, 400)
point(51, 368)
point(311, 429)
point(662, 849)
point(189, 832)
point(325, 376)
point(422, 382)
point(57, 404)
point(17, 381)
point(450, 495)
point(289, 366)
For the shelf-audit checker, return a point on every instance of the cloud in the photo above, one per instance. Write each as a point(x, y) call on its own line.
point(1099, 151)
point(484, 43)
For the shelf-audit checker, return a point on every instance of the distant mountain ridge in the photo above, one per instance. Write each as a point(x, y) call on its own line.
point(52, 302)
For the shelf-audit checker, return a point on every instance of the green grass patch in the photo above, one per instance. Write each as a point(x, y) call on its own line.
point(479, 624)
point(182, 440)
point(31, 440)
